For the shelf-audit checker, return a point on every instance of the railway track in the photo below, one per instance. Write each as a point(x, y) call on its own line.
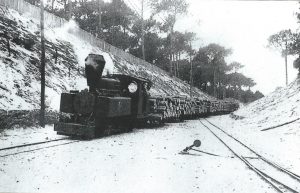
point(281, 179)
point(30, 147)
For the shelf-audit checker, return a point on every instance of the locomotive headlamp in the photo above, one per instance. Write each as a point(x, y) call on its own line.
point(132, 87)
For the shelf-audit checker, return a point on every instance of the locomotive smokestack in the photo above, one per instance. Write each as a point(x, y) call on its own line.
point(94, 66)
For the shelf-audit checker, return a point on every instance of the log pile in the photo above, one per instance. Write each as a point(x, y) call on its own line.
point(177, 108)
point(173, 109)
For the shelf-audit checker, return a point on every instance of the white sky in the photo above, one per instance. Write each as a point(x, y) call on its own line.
point(245, 27)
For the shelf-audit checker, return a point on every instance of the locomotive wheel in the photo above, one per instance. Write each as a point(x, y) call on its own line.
point(110, 126)
point(101, 127)
point(123, 124)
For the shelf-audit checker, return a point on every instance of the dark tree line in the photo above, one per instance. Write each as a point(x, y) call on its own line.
point(213, 75)
point(118, 24)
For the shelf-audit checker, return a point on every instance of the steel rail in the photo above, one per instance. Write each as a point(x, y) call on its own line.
point(31, 144)
point(270, 177)
point(38, 148)
point(250, 166)
point(290, 173)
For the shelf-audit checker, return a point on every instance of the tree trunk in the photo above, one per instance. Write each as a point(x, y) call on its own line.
point(219, 84)
point(240, 93)
point(99, 20)
point(65, 8)
point(286, 71)
point(56, 55)
point(70, 10)
point(52, 6)
point(214, 83)
point(174, 64)
point(177, 64)
point(8, 47)
point(170, 64)
point(235, 95)
point(171, 49)
point(191, 76)
point(143, 32)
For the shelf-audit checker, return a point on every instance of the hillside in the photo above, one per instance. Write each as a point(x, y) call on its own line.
point(279, 107)
point(270, 125)
point(65, 54)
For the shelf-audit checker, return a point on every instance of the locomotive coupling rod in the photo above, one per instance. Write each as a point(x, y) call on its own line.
point(196, 143)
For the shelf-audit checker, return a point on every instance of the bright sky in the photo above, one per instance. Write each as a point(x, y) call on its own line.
point(245, 27)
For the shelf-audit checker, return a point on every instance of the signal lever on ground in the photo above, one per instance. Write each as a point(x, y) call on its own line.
point(196, 143)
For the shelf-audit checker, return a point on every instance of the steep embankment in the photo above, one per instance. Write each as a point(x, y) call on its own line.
point(19, 69)
point(270, 126)
point(279, 107)
point(65, 54)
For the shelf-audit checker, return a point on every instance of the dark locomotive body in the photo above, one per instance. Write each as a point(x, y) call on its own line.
point(113, 103)
point(118, 103)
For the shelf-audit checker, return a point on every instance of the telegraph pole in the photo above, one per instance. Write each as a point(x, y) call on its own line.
point(285, 60)
point(42, 68)
point(171, 53)
point(143, 34)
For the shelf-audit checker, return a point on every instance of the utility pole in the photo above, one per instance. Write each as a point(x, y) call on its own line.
point(171, 51)
point(42, 68)
point(143, 34)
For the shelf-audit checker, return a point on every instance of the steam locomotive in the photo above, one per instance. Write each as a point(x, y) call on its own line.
point(117, 103)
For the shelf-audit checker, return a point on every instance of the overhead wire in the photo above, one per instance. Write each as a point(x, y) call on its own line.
point(132, 6)
point(135, 6)
point(135, 9)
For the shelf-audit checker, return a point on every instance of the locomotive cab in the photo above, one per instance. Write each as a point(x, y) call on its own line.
point(137, 89)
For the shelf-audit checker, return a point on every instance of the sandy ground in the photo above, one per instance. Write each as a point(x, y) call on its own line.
point(279, 144)
point(141, 161)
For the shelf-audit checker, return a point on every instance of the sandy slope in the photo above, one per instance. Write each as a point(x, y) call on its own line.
point(19, 73)
point(282, 105)
point(280, 143)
